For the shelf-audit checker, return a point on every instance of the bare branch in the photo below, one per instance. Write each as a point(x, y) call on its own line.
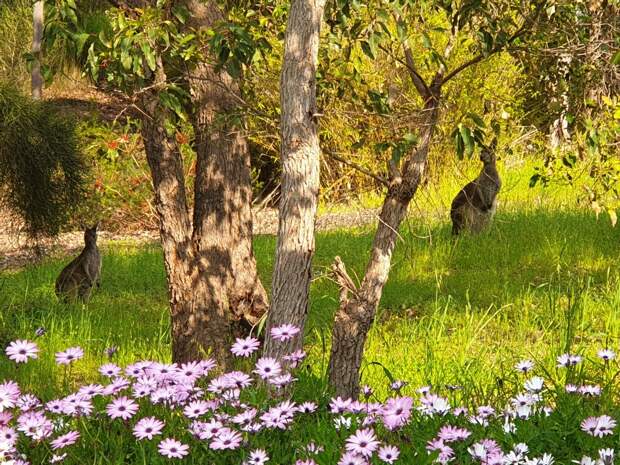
point(344, 281)
point(463, 66)
point(417, 80)
point(353, 165)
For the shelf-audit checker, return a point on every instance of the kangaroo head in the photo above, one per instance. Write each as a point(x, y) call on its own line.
point(487, 154)
point(90, 234)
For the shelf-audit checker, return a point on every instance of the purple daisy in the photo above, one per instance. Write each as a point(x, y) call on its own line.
point(284, 332)
point(122, 407)
point(226, 439)
point(524, 366)
point(606, 354)
point(245, 347)
point(267, 367)
point(110, 370)
point(396, 412)
point(196, 409)
point(173, 449)
point(65, 440)
point(349, 458)
point(363, 442)
point(58, 458)
point(9, 393)
point(20, 351)
point(388, 454)
point(449, 433)
point(147, 428)
point(69, 356)
point(598, 426)
point(257, 457)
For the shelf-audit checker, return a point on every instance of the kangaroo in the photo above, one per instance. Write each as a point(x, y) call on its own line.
point(77, 279)
point(474, 206)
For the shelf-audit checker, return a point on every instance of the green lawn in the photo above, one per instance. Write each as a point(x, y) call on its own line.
point(542, 278)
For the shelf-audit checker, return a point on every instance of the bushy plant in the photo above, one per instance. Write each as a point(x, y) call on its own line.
point(589, 162)
point(42, 172)
point(152, 412)
point(16, 33)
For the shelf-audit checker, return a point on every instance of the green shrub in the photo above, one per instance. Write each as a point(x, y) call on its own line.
point(42, 172)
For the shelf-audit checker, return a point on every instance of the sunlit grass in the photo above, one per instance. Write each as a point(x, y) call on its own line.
point(544, 278)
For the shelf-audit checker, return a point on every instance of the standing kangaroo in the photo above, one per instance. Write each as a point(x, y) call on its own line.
point(474, 206)
point(77, 279)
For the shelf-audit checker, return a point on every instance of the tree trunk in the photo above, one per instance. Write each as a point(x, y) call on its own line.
point(355, 316)
point(198, 300)
point(300, 175)
point(37, 39)
point(223, 191)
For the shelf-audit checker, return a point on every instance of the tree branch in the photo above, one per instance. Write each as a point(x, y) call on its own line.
point(344, 281)
point(418, 81)
point(498, 48)
point(463, 66)
point(357, 167)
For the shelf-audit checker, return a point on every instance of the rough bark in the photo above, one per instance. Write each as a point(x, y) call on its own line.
point(300, 175)
point(223, 191)
point(198, 300)
point(355, 315)
point(38, 17)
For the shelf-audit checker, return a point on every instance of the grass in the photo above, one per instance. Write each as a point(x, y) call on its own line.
point(542, 280)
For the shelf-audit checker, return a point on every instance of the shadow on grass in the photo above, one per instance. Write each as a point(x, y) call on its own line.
point(520, 252)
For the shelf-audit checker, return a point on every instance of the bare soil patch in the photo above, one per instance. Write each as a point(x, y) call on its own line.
point(16, 251)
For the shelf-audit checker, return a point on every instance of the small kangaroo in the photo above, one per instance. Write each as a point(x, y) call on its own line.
point(474, 206)
point(77, 279)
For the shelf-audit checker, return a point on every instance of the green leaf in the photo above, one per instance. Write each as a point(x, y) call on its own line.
point(410, 138)
point(477, 119)
point(80, 41)
point(149, 55)
point(426, 40)
point(383, 14)
point(126, 60)
point(616, 58)
point(181, 13)
point(467, 139)
point(387, 372)
point(458, 143)
point(401, 30)
point(381, 147)
point(70, 12)
point(48, 74)
point(171, 102)
point(367, 49)
point(234, 68)
point(93, 62)
point(534, 179)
